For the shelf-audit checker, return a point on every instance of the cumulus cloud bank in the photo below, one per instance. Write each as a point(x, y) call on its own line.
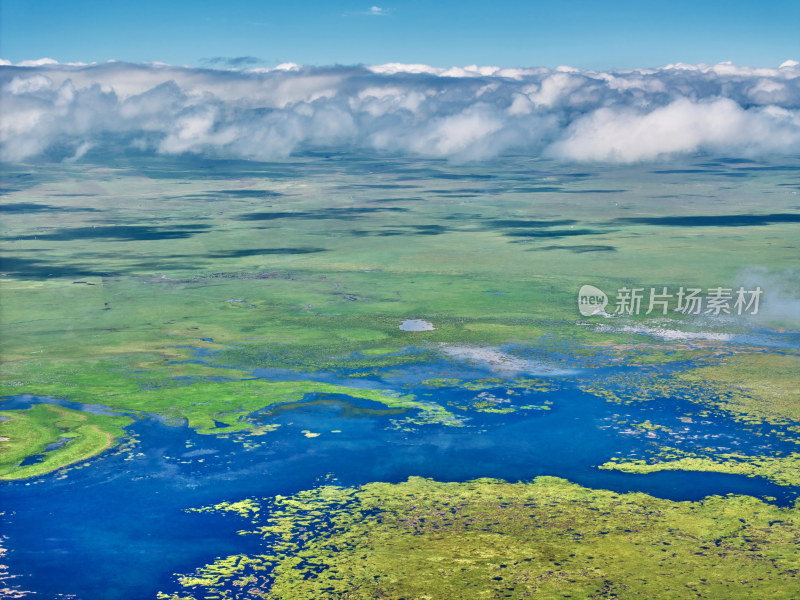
point(466, 113)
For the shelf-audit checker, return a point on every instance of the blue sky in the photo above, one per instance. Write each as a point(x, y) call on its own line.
point(587, 34)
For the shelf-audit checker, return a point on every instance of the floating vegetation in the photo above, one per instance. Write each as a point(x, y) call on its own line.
point(783, 470)
point(754, 387)
point(757, 386)
point(488, 538)
point(537, 385)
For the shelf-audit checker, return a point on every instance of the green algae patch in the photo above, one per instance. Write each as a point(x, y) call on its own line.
point(645, 385)
point(749, 388)
point(208, 404)
point(492, 539)
point(646, 425)
point(224, 406)
point(486, 402)
point(526, 383)
point(753, 387)
point(59, 436)
point(782, 470)
point(244, 508)
point(761, 387)
point(379, 351)
point(504, 399)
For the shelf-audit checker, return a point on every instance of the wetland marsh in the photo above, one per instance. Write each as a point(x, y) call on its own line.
point(231, 378)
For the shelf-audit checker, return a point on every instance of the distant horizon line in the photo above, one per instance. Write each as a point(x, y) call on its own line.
point(215, 64)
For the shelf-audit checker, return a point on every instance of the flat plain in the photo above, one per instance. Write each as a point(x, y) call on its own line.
point(229, 333)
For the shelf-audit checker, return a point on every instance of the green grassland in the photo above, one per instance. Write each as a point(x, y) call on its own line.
point(492, 539)
point(25, 433)
point(114, 275)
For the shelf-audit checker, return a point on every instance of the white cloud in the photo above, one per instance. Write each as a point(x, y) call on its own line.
point(666, 333)
point(500, 362)
point(372, 11)
point(463, 113)
point(780, 303)
point(683, 126)
point(38, 62)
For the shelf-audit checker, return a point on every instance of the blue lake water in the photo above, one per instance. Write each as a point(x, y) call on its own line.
point(115, 527)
